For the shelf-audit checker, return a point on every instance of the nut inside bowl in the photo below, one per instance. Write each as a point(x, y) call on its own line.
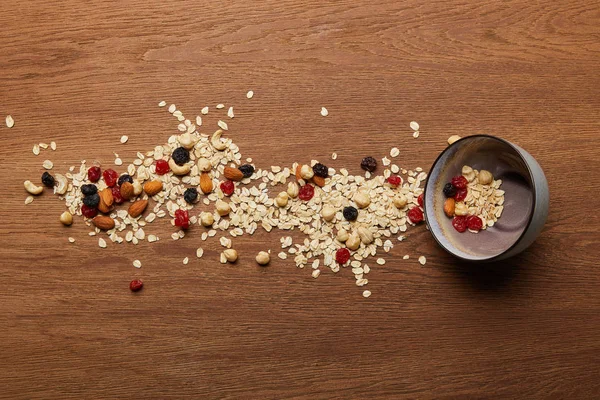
point(526, 198)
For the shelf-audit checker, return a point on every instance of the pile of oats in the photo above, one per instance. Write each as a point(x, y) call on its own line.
point(485, 200)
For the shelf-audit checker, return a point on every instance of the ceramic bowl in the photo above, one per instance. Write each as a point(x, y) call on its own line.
point(525, 206)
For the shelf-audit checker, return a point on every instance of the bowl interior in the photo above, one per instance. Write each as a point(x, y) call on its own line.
point(504, 162)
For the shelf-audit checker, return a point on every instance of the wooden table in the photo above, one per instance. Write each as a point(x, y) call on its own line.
point(83, 74)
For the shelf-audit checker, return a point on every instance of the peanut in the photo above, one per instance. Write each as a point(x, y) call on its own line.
point(342, 235)
point(204, 165)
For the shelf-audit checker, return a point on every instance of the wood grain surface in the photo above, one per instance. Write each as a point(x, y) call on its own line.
point(85, 73)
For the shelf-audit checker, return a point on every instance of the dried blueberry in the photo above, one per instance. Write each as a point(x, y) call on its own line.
point(350, 213)
point(92, 200)
point(180, 156)
point(89, 189)
point(449, 190)
point(320, 170)
point(368, 164)
point(190, 195)
point(124, 178)
point(247, 170)
point(47, 179)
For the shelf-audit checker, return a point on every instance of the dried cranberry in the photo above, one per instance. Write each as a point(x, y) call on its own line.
point(227, 187)
point(247, 170)
point(321, 170)
point(394, 180)
point(47, 179)
point(116, 192)
point(306, 192)
point(180, 155)
point(420, 199)
point(415, 215)
point(474, 223)
point(110, 177)
point(350, 213)
point(124, 178)
point(461, 194)
point(368, 164)
point(162, 167)
point(94, 173)
point(190, 195)
point(182, 219)
point(88, 212)
point(342, 256)
point(136, 285)
point(460, 182)
point(460, 223)
point(449, 190)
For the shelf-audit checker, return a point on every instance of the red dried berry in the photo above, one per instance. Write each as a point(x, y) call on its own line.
point(461, 194)
point(110, 177)
point(342, 256)
point(394, 180)
point(182, 219)
point(460, 182)
point(306, 192)
point(94, 173)
point(227, 187)
point(116, 192)
point(162, 167)
point(420, 199)
point(136, 285)
point(88, 212)
point(415, 215)
point(460, 223)
point(474, 223)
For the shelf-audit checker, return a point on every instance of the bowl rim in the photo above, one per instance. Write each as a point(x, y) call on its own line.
point(531, 214)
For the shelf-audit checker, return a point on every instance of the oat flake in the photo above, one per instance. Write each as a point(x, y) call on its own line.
point(10, 122)
point(250, 94)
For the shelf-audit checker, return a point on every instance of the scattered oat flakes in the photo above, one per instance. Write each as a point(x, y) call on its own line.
point(220, 105)
point(53, 146)
point(334, 156)
point(223, 125)
point(230, 112)
point(172, 108)
point(366, 293)
point(324, 112)
point(162, 103)
point(48, 164)
point(71, 240)
point(204, 110)
point(10, 122)
point(406, 257)
point(124, 139)
point(380, 261)
point(118, 161)
point(250, 94)
point(36, 149)
point(102, 243)
point(44, 145)
point(422, 260)
point(199, 252)
point(394, 152)
point(416, 134)
point(28, 199)
point(316, 273)
point(414, 126)
point(186, 260)
point(137, 263)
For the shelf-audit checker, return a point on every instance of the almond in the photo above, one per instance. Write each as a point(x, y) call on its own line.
point(106, 200)
point(318, 180)
point(127, 190)
point(233, 174)
point(298, 168)
point(206, 183)
point(153, 187)
point(449, 206)
point(103, 222)
point(137, 208)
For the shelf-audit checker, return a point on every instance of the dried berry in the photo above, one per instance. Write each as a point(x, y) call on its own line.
point(350, 213)
point(94, 173)
point(89, 189)
point(124, 178)
point(321, 170)
point(394, 180)
point(182, 219)
point(47, 179)
point(180, 155)
point(88, 212)
point(306, 192)
point(449, 190)
point(136, 285)
point(227, 187)
point(247, 170)
point(459, 223)
point(420, 200)
point(161, 167)
point(460, 195)
point(368, 164)
point(110, 177)
point(92, 200)
point(342, 256)
point(460, 182)
point(190, 195)
point(116, 192)
point(415, 215)
point(474, 223)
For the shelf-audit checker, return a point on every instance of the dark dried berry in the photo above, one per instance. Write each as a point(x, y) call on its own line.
point(47, 179)
point(449, 190)
point(350, 213)
point(88, 212)
point(94, 173)
point(342, 256)
point(110, 177)
point(190, 195)
point(247, 170)
point(124, 178)
point(92, 200)
point(136, 285)
point(368, 164)
point(420, 200)
point(461, 194)
point(321, 170)
point(89, 189)
point(460, 182)
point(180, 156)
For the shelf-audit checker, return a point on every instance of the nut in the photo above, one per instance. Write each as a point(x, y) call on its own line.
point(318, 180)
point(366, 236)
point(153, 187)
point(328, 213)
point(453, 139)
point(206, 183)
point(103, 222)
point(282, 199)
point(66, 218)
point(106, 200)
point(306, 172)
point(179, 169)
point(485, 177)
point(204, 164)
point(187, 141)
point(297, 172)
point(353, 241)
point(293, 190)
point(342, 235)
point(61, 184)
point(231, 255)
point(137, 188)
point(137, 208)
point(222, 207)
point(263, 258)
point(127, 190)
point(216, 141)
point(400, 201)
point(32, 188)
point(233, 174)
point(468, 173)
point(362, 199)
point(206, 219)
point(449, 206)
point(461, 209)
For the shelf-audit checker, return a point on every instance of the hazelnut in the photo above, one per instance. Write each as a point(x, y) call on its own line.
point(231, 255)
point(461, 209)
point(328, 213)
point(66, 218)
point(206, 219)
point(263, 258)
point(282, 199)
point(353, 241)
point(204, 165)
point(342, 235)
point(306, 172)
point(485, 177)
point(362, 199)
point(468, 173)
point(400, 201)
point(222, 207)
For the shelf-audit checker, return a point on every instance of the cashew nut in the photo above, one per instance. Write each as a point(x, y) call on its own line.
point(33, 189)
point(61, 184)
point(216, 141)
point(137, 188)
point(179, 169)
point(187, 140)
point(204, 165)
